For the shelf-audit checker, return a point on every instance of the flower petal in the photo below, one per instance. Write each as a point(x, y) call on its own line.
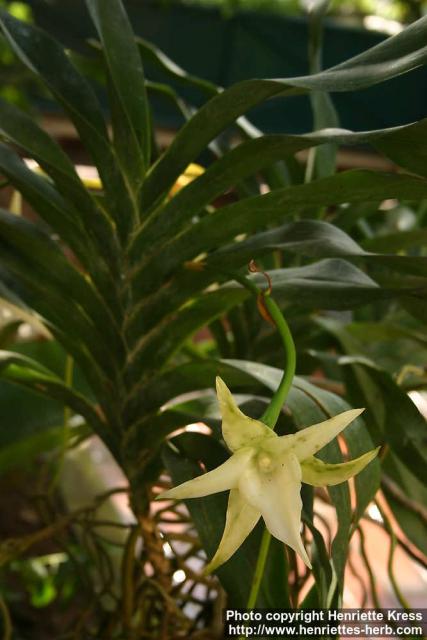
point(309, 441)
point(277, 495)
point(224, 477)
point(319, 473)
point(241, 518)
point(237, 429)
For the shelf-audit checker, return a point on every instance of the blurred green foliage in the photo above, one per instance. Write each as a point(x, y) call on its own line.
point(13, 76)
point(400, 10)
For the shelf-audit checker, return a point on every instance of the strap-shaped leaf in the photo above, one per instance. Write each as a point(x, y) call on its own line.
point(28, 372)
point(49, 265)
point(25, 371)
point(312, 238)
point(334, 282)
point(22, 453)
point(396, 241)
point(155, 348)
point(322, 160)
point(249, 157)
point(397, 420)
point(322, 569)
point(46, 201)
point(45, 57)
point(398, 54)
point(22, 130)
point(130, 110)
point(253, 213)
point(18, 127)
point(326, 284)
point(154, 56)
point(56, 212)
point(203, 127)
point(177, 380)
point(398, 481)
point(405, 147)
point(102, 386)
point(55, 306)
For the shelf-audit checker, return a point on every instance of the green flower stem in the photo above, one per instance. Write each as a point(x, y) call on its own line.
point(272, 413)
point(273, 410)
point(259, 569)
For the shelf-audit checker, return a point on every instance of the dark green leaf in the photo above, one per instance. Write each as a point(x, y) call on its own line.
point(396, 55)
point(51, 303)
point(248, 158)
point(406, 147)
point(397, 241)
point(45, 57)
point(321, 161)
point(315, 239)
point(403, 493)
point(328, 284)
point(157, 346)
point(392, 415)
point(49, 266)
point(22, 370)
point(48, 203)
point(131, 118)
point(23, 452)
point(154, 56)
point(257, 212)
point(21, 129)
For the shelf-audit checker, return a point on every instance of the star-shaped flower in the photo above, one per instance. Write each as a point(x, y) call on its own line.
point(264, 475)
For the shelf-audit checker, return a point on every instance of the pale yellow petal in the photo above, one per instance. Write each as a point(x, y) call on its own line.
point(320, 474)
point(237, 429)
point(307, 442)
point(241, 518)
point(224, 477)
point(277, 496)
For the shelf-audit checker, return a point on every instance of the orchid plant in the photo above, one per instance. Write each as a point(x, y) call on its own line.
point(122, 277)
point(265, 471)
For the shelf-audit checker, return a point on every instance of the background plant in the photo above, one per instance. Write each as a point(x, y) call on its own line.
point(123, 278)
point(396, 10)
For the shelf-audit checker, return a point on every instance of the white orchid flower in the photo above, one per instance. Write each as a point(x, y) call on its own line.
point(264, 475)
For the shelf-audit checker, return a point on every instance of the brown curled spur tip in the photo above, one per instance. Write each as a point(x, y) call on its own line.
point(253, 268)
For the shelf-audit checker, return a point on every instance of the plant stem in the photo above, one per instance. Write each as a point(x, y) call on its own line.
point(7, 622)
point(68, 380)
point(273, 410)
point(259, 569)
point(272, 413)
